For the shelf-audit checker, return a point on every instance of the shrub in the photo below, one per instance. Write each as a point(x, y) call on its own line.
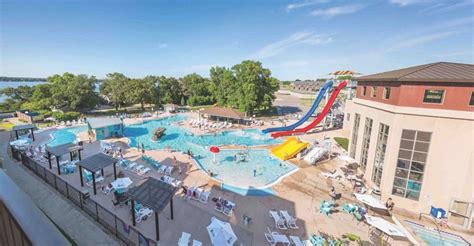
point(59, 116)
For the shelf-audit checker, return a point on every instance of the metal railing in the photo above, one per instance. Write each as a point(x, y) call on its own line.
point(123, 231)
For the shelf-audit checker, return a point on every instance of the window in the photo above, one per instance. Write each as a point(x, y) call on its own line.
point(433, 96)
point(355, 131)
point(411, 164)
point(380, 150)
point(386, 93)
point(364, 90)
point(365, 143)
point(471, 101)
point(373, 93)
point(348, 117)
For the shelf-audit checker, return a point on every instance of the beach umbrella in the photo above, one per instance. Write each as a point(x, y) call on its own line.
point(221, 233)
point(386, 227)
point(370, 201)
point(121, 183)
point(214, 150)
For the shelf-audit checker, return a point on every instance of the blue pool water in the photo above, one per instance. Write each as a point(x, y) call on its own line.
point(66, 135)
point(235, 173)
point(437, 238)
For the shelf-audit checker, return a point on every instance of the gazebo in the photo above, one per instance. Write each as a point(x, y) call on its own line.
point(95, 163)
point(155, 195)
point(223, 113)
point(60, 150)
point(21, 128)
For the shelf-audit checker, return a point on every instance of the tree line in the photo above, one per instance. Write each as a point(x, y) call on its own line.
point(247, 86)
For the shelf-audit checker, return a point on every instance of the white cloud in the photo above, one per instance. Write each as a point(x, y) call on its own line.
point(338, 10)
point(275, 48)
point(446, 6)
point(408, 2)
point(419, 40)
point(162, 45)
point(293, 6)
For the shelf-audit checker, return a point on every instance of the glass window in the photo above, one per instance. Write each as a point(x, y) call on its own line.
point(471, 101)
point(386, 92)
point(348, 117)
point(364, 90)
point(355, 132)
point(365, 143)
point(373, 92)
point(379, 159)
point(433, 96)
point(414, 152)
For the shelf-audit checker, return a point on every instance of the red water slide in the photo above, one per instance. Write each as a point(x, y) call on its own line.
point(318, 119)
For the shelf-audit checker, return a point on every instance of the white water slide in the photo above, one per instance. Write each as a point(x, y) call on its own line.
point(315, 154)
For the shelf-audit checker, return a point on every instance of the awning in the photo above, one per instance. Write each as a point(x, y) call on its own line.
point(221, 233)
point(121, 183)
point(370, 201)
point(386, 227)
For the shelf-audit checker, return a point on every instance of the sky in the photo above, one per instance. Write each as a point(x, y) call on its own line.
point(295, 39)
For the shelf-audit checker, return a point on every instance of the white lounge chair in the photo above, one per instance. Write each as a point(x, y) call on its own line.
point(143, 171)
point(184, 239)
point(197, 243)
point(137, 168)
point(169, 170)
point(279, 222)
point(296, 241)
point(290, 220)
point(205, 196)
point(197, 192)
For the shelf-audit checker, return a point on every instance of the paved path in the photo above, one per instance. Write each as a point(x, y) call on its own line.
point(81, 228)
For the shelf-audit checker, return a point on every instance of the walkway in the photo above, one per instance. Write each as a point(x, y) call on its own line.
point(65, 214)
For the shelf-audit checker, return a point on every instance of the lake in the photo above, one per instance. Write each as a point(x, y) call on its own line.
point(5, 84)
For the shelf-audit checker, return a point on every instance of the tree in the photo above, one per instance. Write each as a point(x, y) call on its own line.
point(254, 86)
point(222, 84)
point(171, 90)
point(72, 92)
point(196, 89)
point(115, 88)
point(139, 91)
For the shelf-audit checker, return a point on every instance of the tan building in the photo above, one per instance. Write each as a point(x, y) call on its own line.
point(412, 132)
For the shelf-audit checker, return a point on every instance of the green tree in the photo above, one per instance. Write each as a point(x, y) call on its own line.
point(139, 91)
point(115, 88)
point(222, 84)
point(197, 90)
point(71, 92)
point(171, 90)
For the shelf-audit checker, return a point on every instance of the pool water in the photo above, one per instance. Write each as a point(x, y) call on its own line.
point(239, 173)
point(66, 135)
point(437, 238)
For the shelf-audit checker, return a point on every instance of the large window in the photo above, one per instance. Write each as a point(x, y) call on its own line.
point(355, 130)
point(433, 96)
point(364, 90)
point(386, 93)
point(411, 164)
point(380, 150)
point(373, 92)
point(365, 143)
point(471, 101)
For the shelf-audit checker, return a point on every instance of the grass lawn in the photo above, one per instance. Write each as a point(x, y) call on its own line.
point(6, 126)
point(343, 142)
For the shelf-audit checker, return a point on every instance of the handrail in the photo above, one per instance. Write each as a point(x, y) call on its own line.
point(35, 225)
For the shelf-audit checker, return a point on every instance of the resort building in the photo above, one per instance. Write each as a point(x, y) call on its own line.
point(102, 128)
point(223, 114)
point(412, 132)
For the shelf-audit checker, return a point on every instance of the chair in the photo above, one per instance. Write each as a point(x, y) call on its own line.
point(269, 237)
point(290, 220)
point(197, 243)
point(143, 171)
point(279, 222)
point(349, 208)
point(205, 196)
point(184, 239)
point(296, 241)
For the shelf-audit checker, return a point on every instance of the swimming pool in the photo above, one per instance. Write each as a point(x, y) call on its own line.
point(435, 237)
point(66, 135)
point(239, 173)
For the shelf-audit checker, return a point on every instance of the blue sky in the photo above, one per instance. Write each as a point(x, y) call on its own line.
point(296, 39)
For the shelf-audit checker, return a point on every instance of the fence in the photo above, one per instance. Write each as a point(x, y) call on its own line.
point(115, 225)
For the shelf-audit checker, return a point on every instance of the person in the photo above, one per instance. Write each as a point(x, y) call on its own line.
point(143, 148)
point(235, 158)
point(389, 204)
point(255, 172)
point(333, 193)
point(189, 153)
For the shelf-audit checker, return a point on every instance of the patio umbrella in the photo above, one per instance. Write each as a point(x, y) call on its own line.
point(214, 150)
point(386, 227)
point(121, 183)
point(370, 201)
point(221, 233)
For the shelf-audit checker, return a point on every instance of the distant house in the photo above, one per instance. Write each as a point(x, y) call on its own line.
point(102, 128)
point(171, 108)
point(27, 116)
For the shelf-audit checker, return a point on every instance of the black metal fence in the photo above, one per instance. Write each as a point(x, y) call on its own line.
point(117, 226)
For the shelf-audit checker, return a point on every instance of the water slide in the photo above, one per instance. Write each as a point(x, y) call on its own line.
point(318, 119)
point(307, 115)
point(289, 148)
point(315, 154)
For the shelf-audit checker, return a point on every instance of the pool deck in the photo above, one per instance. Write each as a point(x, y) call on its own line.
point(299, 194)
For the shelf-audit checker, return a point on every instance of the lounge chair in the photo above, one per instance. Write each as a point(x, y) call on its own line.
point(197, 193)
point(184, 239)
point(317, 240)
point(279, 222)
point(137, 168)
point(143, 171)
point(296, 241)
point(290, 220)
point(349, 208)
point(169, 170)
point(205, 196)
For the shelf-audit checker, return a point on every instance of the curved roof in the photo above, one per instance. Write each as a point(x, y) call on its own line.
point(432, 72)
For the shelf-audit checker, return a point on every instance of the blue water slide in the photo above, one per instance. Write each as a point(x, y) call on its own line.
point(307, 115)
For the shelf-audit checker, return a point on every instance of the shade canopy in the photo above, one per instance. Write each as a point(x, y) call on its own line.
point(153, 193)
point(214, 149)
point(121, 183)
point(386, 227)
point(97, 162)
point(221, 233)
point(347, 159)
point(370, 201)
point(23, 127)
point(62, 149)
point(95, 123)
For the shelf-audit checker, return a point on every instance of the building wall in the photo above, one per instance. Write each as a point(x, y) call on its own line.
point(456, 95)
point(449, 167)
